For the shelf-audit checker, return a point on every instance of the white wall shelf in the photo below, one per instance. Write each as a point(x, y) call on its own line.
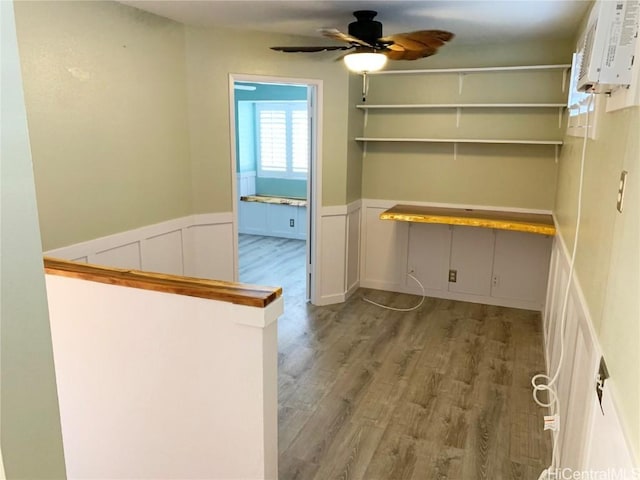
point(413, 117)
point(460, 140)
point(464, 105)
point(473, 69)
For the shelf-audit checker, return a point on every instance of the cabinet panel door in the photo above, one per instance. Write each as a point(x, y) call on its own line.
point(279, 219)
point(384, 258)
point(521, 266)
point(429, 246)
point(252, 217)
point(472, 259)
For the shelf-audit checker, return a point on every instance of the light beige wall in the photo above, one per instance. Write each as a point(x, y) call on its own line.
point(214, 53)
point(354, 149)
point(106, 100)
point(31, 437)
point(496, 175)
point(607, 262)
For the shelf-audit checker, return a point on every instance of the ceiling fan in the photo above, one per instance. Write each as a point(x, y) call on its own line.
point(371, 49)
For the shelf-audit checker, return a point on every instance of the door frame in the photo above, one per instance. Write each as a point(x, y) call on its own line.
point(314, 176)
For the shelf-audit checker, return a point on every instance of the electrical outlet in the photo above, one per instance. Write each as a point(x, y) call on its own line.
point(603, 374)
point(453, 276)
point(292, 222)
point(623, 182)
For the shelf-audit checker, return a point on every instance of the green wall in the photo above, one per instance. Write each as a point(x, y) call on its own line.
point(517, 176)
point(105, 91)
point(124, 137)
point(31, 438)
point(608, 256)
point(247, 53)
point(607, 260)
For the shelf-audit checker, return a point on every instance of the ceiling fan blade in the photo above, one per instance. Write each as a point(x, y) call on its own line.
point(407, 54)
point(326, 48)
point(414, 45)
point(343, 37)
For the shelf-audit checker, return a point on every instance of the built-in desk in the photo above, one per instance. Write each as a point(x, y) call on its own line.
point(519, 222)
point(273, 216)
point(504, 262)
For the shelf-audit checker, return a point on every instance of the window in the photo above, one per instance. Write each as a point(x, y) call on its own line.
point(578, 103)
point(282, 133)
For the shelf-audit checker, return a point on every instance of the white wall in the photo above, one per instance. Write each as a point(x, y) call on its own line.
point(155, 385)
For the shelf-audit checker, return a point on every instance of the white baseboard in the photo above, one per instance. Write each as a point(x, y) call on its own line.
point(330, 299)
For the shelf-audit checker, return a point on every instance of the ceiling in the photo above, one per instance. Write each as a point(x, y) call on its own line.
point(473, 21)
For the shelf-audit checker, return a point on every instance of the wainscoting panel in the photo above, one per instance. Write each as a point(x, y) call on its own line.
point(353, 248)
point(589, 440)
point(123, 256)
point(196, 245)
point(339, 253)
point(384, 249)
point(210, 251)
point(163, 253)
point(246, 183)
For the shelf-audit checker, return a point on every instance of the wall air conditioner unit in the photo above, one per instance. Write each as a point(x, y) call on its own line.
point(608, 45)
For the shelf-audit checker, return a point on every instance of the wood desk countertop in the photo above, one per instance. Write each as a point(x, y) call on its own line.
point(519, 222)
point(294, 202)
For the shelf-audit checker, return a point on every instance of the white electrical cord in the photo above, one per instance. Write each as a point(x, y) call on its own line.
point(424, 295)
point(542, 382)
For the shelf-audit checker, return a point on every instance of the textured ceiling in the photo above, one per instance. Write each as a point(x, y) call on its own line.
point(473, 21)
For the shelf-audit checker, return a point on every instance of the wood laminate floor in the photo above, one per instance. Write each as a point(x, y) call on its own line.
point(365, 393)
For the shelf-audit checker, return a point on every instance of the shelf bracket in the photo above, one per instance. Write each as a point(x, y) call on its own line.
point(559, 117)
point(458, 112)
point(364, 149)
point(460, 82)
point(366, 118)
point(564, 79)
point(455, 151)
point(557, 147)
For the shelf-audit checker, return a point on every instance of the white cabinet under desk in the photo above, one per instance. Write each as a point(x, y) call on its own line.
point(273, 216)
point(491, 257)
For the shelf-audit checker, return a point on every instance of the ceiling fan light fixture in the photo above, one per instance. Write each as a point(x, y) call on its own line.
point(365, 62)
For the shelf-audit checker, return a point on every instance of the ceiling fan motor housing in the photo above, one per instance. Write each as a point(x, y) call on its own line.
point(365, 27)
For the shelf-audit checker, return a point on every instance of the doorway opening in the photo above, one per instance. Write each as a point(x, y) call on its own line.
point(274, 169)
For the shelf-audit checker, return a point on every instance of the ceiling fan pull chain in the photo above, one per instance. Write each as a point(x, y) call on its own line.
point(365, 86)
